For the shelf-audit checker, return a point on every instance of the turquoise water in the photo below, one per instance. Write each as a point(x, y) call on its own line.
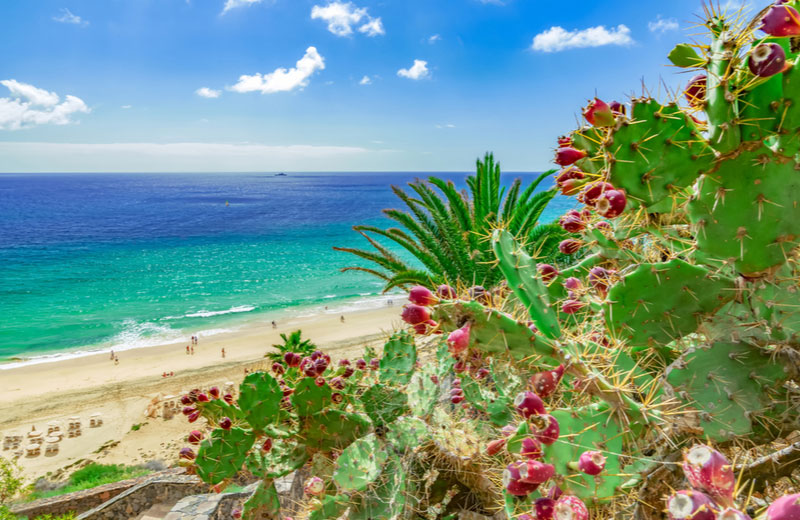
point(119, 261)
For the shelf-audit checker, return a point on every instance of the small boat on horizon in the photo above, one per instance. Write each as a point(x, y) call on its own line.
point(281, 174)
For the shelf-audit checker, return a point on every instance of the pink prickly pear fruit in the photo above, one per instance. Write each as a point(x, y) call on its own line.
point(415, 314)
point(193, 417)
point(496, 446)
point(569, 173)
point(544, 508)
point(277, 368)
point(598, 113)
point(457, 382)
point(593, 191)
point(292, 359)
point(611, 203)
point(545, 428)
point(538, 472)
point(695, 91)
point(691, 505)
point(572, 284)
point(571, 186)
point(435, 379)
point(344, 362)
point(446, 292)
point(225, 423)
point(236, 513)
point(785, 508)
point(316, 355)
point(767, 59)
point(267, 446)
point(319, 381)
point(730, 513)
point(455, 399)
point(572, 306)
point(781, 20)
point(361, 364)
point(545, 383)
point(203, 398)
point(617, 108)
point(710, 471)
point(569, 507)
point(421, 296)
point(187, 454)
point(569, 246)
point(195, 436)
point(337, 398)
point(482, 373)
point(571, 223)
point(592, 462)
point(213, 392)
point(528, 404)
point(508, 430)
point(598, 278)
point(554, 492)
point(512, 480)
point(186, 400)
point(314, 486)
point(420, 329)
point(337, 383)
point(547, 272)
point(565, 140)
point(320, 366)
point(458, 340)
point(374, 363)
point(567, 155)
point(530, 448)
point(456, 391)
point(188, 410)
point(228, 398)
point(459, 367)
point(349, 371)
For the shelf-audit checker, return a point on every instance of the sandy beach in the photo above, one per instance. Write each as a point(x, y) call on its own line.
point(37, 394)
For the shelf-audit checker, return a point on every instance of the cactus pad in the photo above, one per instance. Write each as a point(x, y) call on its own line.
point(729, 384)
point(387, 500)
point(330, 429)
point(264, 502)
point(407, 433)
point(399, 358)
point(360, 463)
point(308, 398)
point(222, 455)
point(658, 303)
point(260, 399)
point(384, 404)
point(332, 506)
point(282, 459)
point(422, 392)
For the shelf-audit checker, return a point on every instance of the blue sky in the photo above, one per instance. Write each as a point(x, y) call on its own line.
point(446, 80)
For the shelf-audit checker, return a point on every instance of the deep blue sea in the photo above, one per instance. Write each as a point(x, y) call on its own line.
point(101, 261)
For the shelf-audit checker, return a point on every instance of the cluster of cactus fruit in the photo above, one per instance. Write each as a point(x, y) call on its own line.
point(559, 394)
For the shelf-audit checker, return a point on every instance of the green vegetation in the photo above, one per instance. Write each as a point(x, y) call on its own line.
point(91, 476)
point(291, 343)
point(447, 232)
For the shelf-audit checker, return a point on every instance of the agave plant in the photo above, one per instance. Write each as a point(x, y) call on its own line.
point(447, 230)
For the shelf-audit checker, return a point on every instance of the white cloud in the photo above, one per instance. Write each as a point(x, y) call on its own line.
point(233, 4)
point(126, 107)
point(448, 125)
point(558, 39)
point(342, 16)
point(661, 25)
point(67, 17)
point(435, 38)
point(417, 71)
point(208, 92)
point(365, 81)
point(31, 106)
point(281, 79)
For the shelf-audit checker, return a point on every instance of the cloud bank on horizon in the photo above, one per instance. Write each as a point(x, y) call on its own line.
point(333, 75)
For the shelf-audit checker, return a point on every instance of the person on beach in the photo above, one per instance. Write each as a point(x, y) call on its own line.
point(112, 355)
point(187, 350)
point(223, 352)
point(192, 351)
point(274, 325)
point(116, 360)
point(341, 318)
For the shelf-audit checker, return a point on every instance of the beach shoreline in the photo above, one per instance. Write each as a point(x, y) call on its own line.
point(36, 394)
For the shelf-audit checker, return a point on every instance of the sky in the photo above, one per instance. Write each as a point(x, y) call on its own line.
point(319, 85)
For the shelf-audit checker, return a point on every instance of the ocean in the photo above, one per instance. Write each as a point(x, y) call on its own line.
point(92, 262)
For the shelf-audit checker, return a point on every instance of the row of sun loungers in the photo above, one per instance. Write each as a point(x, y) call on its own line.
point(38, 441)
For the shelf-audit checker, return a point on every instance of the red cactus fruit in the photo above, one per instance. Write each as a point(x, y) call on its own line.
point(545, 383)
point(571, 186)
point(435, 379)
point(349, 371)
point(545, 428)
point(767, 59)
point(617, 108)
point(415, 314)
point(193, 417)
point(544, 508)
point(228, 398)
point(569, 246)
point(203, 398)
point(710, 471)
point(785, 508)
point(186, 400)
point(611, 203)
point(225, 423)
point(592, 462)
point(455, 399)
point(337, 398)
point(547, 272)
point(337, 383)
point(458, 340)
point(599, 278)
point(496, 446)
point(456, 391)
point(565, 140)
point(319, 381)
point(482, 373)
point(598, 113)
point(374, 363)
point(572, 223)
point(572, 306)
point(316, 355)
point(236, 513)
point(528, 404)
point(512, 480)
point(314, 486)
point(213, 392)
point(459, 367)
point(695, 91)
point(572, 284)
point(446, 292)
point(420, 295)
point(530, 448)
point(730, 513)
point(344, 362)
point(361, 364)
point(277, 368)
point(593, 191)
point(195, 436)
point(537, 472)
point(267, 446)
point(781, 20)
point(188, 410)
point(569, 507)
point(691, 505)
point(569, 173)
point(187, 454)
point(567, 155)
point(457, 382)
